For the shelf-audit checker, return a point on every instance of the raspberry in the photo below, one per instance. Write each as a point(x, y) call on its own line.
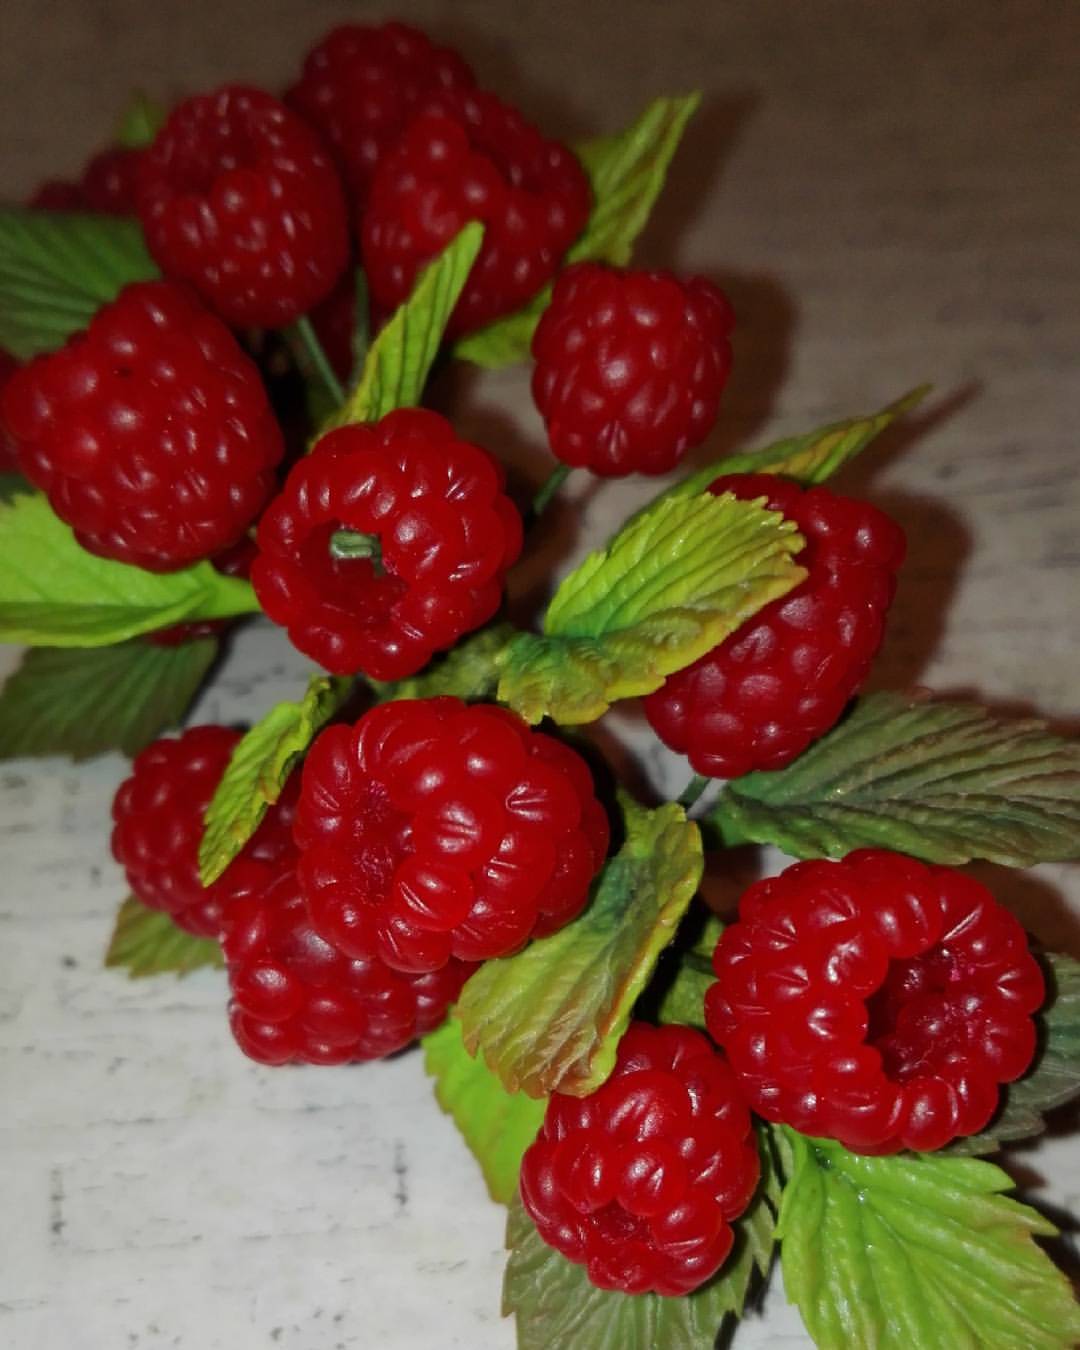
point(630, 367)
point(433, 830)
point(232, 562)
point(387, 543)
point(57, 194)
point(9, 450)
point(758, 699)
point(158, 823)
point(360, 85)
point(639, 1181)
point(297, 998)
point(875, 1001)
point(238, 196)
point(151, 431)
point(107, 185)
point(466, 156)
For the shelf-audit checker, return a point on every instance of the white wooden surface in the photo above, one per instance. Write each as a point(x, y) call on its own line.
point(890, 195)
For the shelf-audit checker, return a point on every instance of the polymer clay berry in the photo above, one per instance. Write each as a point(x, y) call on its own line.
point(151, 431)
point(630, 367)
point(107, 186)
point(158, 823)
point(639, 1181)
point(360, 85)
point(467, 156)
point(9, 449)
point(782, 679)
point(387, 543)
point(432, 830)
point(875, 1001)
point(238, 197)
point(297, 999)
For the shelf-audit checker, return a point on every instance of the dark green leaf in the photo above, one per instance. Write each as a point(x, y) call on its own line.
point(919, 1251)
point(147, 942)
point(683, 1002)
point(81, 703)
point(140, 121)
point(56, 271)
point(946, 782)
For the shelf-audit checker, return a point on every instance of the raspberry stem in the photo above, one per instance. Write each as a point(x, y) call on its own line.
point(348, 544)
point(693, 791)
point(322, 367)
point(551, 485)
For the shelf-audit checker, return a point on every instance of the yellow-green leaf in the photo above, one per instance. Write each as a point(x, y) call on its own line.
point(398, 361)
point(549, 1019)
point(497, 1125)
point(672, 584)
point(147, 942)
point(259, 768)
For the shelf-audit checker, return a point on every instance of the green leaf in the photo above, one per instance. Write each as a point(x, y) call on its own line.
point(259, 768)
point(497, 1125)
point(56, 271)
point(83, 703)
point(917, 1250)
point(671, 585)
point(549, 1019)
point(556, 1308)
point(468, 671)
point(398, 361)
point(945, 782)
point(140, 121)
point(808, 459)
point(1054, 1077)
point(626, 173)
point(683, 1002)
point(14, 485)
point(147, 942)
point(55, 594)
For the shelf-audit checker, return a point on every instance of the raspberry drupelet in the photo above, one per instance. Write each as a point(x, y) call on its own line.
point(151, 431)
point(782, 679)
point(639, 1181)
point(875, 1001)
point(238, 197)
point(387, 543)
point(630, 367)
point(433, 830)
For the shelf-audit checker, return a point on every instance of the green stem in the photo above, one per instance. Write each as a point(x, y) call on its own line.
point(348, 544)
point(322, 367)
point(548, 490)
point(361, 338)
point(693, 791)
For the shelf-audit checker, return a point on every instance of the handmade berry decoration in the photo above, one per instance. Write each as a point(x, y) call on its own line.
point(467, 156)
point(782, 680)
point(640, 1181)
point(238, 196)
point(151, 431)
point(108, 185)
point(630, 367)
point(432, 830)
point(158, 822)
point(297, 999)
point(875, 1001)
point(387, 544)
point(361, 84)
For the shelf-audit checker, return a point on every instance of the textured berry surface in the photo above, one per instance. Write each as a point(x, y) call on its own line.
point(782, 680)
point(238, 196)
point(158, 823)
point(297, 999)
point(875, 1001)
point(466, 156)
point(443, 533)
point(360, 85)
point(433, 830)
point(9, 450)
point(108, 185)
point(630, 367)
point(57, 194)
point(151, 431)
point(640, 1181)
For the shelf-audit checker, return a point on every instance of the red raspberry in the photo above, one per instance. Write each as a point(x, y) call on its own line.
point(433, 830)
point(238, 196)
point(110, 181)
point(296, 998)
point(758, 699)
point(9, 450)
point(151, 431)
point(57, 194)
point(875, 1001)
point(387, 543)
point(630, 367)
point(158, 823)
point(466, 156)
point(360, 85)
point(639, 1181)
